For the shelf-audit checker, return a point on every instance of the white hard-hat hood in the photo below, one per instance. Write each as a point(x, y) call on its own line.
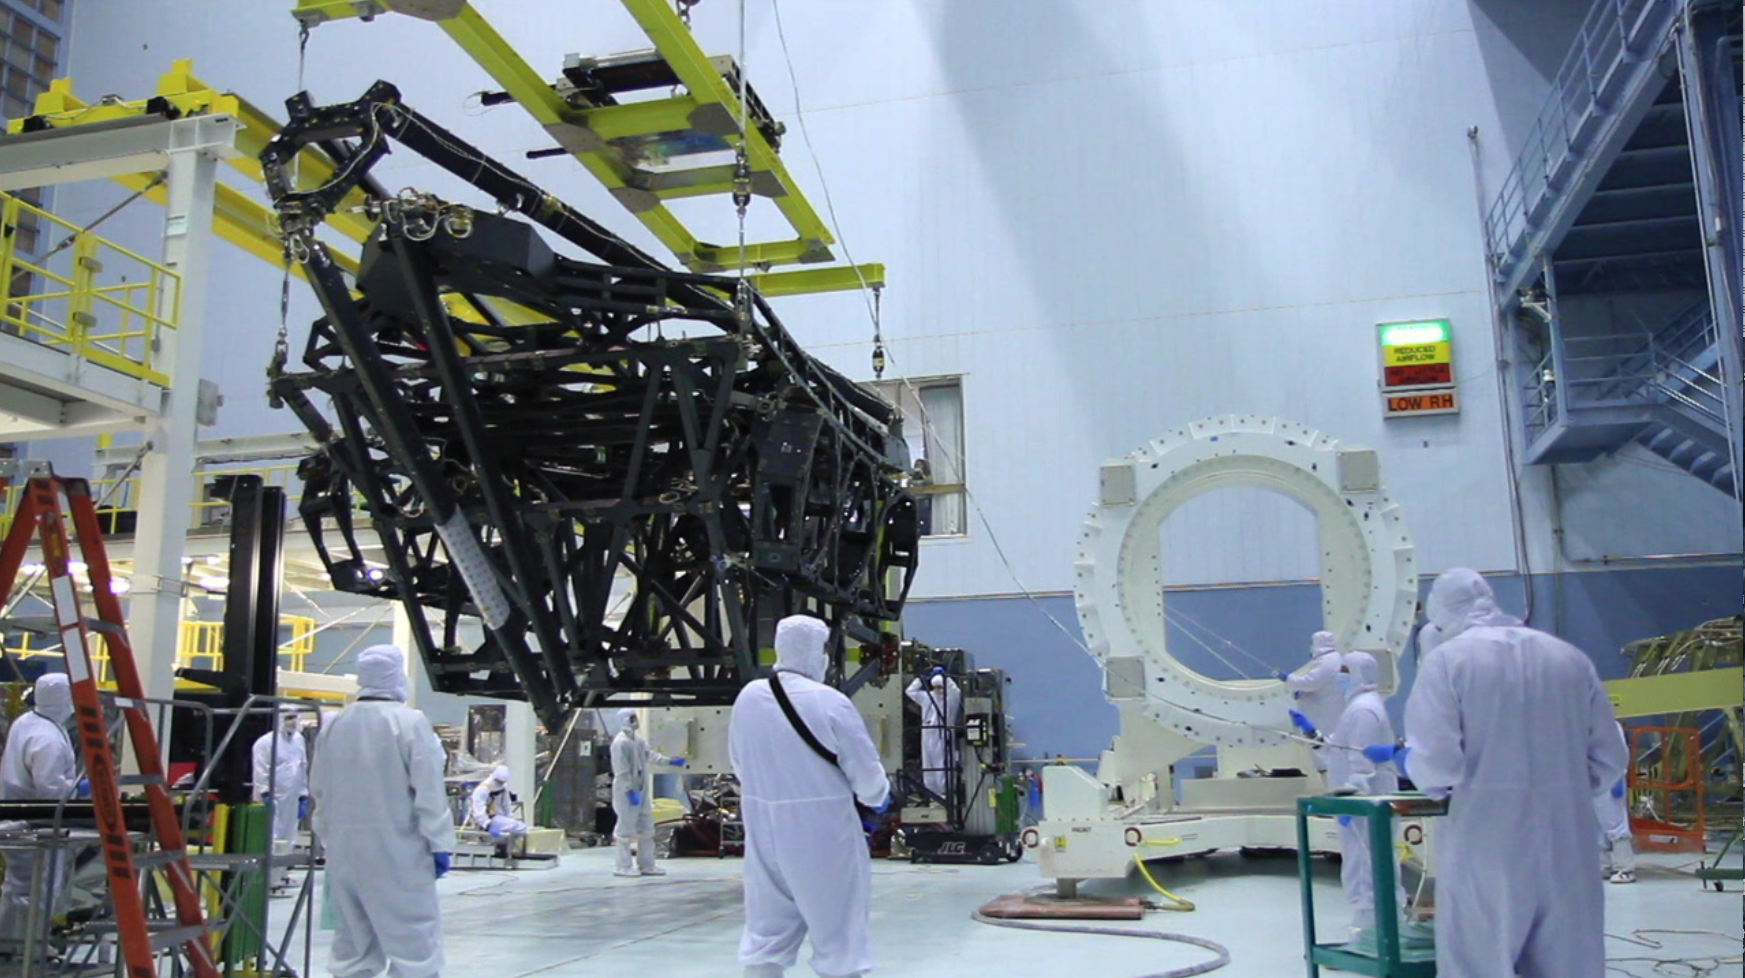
point(381, 673)
point(800, 646)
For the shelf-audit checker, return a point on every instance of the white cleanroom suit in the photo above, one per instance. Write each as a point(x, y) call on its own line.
point(1514, 726)
point(281, 772)
point(1317, 689)
point(1616, 842)
point(941, 704)
point(38, 765)
point(1364, 722)
point(492, 807)
point(382, 812)
point(806, 865)
point(632, 796)
point(1428, 638)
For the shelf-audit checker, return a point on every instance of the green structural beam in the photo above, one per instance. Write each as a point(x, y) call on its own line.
point(1678, 692)
point(837, 278)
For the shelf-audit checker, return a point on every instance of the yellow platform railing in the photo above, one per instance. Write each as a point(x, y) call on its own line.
point(199, 645)
point(92, 299)
point(208, 510)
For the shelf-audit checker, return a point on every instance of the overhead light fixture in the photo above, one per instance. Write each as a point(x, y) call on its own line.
point(120, 585)
point(214, 583)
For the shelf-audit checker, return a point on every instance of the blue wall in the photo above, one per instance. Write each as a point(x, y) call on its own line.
point(1056, 699)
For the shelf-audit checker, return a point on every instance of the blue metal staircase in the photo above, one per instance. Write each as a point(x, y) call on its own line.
point(1589, 396)
point(1603, 200)
point(1609, 81)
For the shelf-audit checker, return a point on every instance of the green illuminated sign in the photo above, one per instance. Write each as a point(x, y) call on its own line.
point(1414, 334)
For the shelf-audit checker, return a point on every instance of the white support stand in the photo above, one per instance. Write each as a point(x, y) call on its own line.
point(402, 639)
point(165, 491)
point(519, 751)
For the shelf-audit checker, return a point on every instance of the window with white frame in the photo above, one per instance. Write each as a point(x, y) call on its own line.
point(932, 410)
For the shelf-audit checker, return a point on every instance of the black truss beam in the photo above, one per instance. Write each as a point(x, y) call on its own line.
point(628, 491)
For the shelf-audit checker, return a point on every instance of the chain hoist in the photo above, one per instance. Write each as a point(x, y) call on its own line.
point(742, 182)
point(282, 343)
point(878, 354)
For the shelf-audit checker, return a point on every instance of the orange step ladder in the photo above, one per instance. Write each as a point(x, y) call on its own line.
point(40, 515)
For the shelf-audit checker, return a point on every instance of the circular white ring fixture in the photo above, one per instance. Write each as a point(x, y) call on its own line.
point(1369, 578)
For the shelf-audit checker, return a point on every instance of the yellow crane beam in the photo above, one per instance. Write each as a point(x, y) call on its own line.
point(594, 135)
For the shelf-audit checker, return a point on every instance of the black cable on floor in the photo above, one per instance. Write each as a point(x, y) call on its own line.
point(1220, 950)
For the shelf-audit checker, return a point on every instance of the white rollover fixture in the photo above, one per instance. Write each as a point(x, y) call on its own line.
point(1096, 826)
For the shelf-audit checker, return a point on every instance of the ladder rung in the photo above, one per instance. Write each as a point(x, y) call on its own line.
point(228, 861)
point(175, 934)
point(134, 780)
point(164, 933)
point(157, 857)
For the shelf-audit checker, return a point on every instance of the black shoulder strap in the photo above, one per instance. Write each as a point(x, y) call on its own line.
point(787, 705)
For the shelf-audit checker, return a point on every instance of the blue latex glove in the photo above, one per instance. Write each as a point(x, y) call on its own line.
point(937, 671)
point(1302, 723)
point(495, 831)
point(1343, 820)
point(1281, 675)
point(84, 788)
point(676, 761)
point(885, 805)
point(302, 808)
point(635, 798)
point(441, 859)
point(1380, 753)
point(1618, 789)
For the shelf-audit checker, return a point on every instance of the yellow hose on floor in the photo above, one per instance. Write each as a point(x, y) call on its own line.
point(1176, 903)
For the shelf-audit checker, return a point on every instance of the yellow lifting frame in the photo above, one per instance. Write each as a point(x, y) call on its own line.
point(584, 133)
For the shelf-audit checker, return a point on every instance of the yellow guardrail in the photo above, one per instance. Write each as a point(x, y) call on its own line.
point(117, 496)
point(93, 299)
point(200, 645)
point(118, 499)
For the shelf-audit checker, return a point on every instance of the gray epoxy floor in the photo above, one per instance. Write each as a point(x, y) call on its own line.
point(579, 920)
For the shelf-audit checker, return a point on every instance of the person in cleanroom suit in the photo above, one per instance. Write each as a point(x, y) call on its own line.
point(941, 704)
point(38, 765)
point(806, 866)
point(632, 796)
point(1617, 845)
point(281, 771)
point(1513, 726)
point(1364, 722)
point(492, 807)
point(1316, 689)
point(382, 812)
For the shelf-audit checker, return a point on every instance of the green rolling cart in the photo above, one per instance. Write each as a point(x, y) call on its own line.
point(1387, 959)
